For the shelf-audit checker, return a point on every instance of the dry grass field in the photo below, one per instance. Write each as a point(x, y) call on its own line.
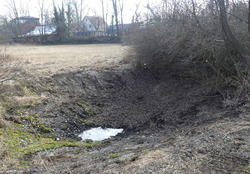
point(49, 60)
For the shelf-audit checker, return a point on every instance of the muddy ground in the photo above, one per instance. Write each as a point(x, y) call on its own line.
point(171, 124)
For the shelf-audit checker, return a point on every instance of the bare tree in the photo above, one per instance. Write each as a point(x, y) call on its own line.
point(112, 25)
point(69, 14)
point(13, 11)
point(121, 7)
point(153, 13)
point(249, 16)
point(116, 17)
point(136, 16)
point(14, 14)
point(103, 16)
point(107, 13)
point(41, 8)
point(194, 14)
point(47, 18)
point(79, 9)
point(233, 42)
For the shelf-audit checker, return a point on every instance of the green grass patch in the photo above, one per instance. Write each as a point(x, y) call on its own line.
point(93, 144)
point(19, 143)
point(246, 169)
point(44, 129)
point(88, 110)
point(34, 122)
point(113, 155)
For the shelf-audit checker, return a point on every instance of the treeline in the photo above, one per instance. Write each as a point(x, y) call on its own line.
point(67, 17)
point(62, 22)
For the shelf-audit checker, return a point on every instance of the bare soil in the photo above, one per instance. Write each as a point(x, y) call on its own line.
point(172, 125)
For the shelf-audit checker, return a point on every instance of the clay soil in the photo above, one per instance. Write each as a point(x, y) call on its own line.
point(171, 124)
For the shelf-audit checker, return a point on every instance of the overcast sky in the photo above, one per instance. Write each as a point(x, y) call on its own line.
point(94, 7)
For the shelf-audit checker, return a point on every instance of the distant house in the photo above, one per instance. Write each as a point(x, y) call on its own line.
point(42, 30)
point(94, 23)
point(92, 26)
point(26, 20)
point(41, 34)
point(23, 25)
point(125, 28)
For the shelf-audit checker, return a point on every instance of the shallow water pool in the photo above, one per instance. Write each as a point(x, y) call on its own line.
point(99, 134)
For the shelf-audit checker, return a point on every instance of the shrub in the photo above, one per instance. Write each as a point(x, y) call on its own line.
point(190, 41)
point(8, 66)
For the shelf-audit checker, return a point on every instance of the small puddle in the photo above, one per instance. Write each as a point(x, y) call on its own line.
point(99, 134)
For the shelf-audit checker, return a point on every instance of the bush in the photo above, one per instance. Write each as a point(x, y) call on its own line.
point(194, 45)
point(8, 65)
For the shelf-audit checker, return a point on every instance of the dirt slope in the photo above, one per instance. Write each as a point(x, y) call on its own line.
point(172, 125)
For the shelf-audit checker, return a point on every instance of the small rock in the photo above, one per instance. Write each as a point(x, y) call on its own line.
point(18, 120)
point(89, 141)
point(3, 123)
point(127, 157)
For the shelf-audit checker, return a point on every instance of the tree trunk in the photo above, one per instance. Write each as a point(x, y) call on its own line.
point(41, 7)
point(116, 18)
point(249, 16)
point(225, 28)
point(233, 42)
point(112, 29)
point(195, 15)
point(103, 17)
point(121, 6)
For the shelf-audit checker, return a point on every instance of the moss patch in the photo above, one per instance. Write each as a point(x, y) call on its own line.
point(246, 169)
point(92, 144)
point(33, 120)
point(89, 111)
point(19, 143)
point(44, 129)
point(113, 155)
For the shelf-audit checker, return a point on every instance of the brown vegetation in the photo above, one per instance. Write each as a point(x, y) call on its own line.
point(65, 58)
point(189, 40)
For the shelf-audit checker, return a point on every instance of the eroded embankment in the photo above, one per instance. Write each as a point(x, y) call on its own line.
point(123, 99)
point(171, 124)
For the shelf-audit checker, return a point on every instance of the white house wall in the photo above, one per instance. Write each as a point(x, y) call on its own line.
point(48, 30)
point(88, 25)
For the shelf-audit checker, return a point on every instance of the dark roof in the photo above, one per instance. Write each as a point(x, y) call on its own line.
point(126, 26)
point(27, 17)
